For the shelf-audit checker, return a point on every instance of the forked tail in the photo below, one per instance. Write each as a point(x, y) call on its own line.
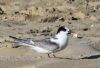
point(24, 42)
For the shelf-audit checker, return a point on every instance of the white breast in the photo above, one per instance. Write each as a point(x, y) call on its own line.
point(62, 40)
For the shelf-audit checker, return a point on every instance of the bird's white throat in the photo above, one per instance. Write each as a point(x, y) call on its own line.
point(61, 38)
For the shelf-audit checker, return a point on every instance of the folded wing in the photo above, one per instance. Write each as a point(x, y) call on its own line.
point(48, 45)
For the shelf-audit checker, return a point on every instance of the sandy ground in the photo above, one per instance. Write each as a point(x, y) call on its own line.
point(39, 19)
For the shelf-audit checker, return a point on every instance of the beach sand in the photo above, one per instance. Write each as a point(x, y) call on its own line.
point(40, 19)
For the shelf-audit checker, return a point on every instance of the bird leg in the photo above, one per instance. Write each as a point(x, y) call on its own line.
point(54, 56)
point(49, 55)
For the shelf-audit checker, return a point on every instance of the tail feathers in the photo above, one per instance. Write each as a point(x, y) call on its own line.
point(23, 42)
point(13, 37)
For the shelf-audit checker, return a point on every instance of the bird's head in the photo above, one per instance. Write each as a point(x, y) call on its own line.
point(63, 30)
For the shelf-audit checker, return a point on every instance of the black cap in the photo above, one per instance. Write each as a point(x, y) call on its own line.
point(61, 28)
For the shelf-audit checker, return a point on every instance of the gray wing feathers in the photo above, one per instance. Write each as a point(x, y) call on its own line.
point(47, 45)
point(24, 42)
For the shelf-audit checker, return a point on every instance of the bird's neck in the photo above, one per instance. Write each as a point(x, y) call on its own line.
point(61, 39)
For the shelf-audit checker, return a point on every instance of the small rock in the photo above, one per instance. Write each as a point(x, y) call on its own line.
point(73, 18)
point(75, 35)
point(92, 26)
point(62, 19)
point(16, 12)
point(85, 29)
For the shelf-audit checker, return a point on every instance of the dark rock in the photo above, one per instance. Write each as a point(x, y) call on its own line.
point(62, 19)
point(85, 29)
point(73, 18)
point(1, 11)
point(16, 12)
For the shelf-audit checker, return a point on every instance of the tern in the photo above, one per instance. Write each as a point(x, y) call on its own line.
point(48, 46)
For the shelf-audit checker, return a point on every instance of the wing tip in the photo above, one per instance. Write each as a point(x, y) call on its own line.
point(13, 37)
